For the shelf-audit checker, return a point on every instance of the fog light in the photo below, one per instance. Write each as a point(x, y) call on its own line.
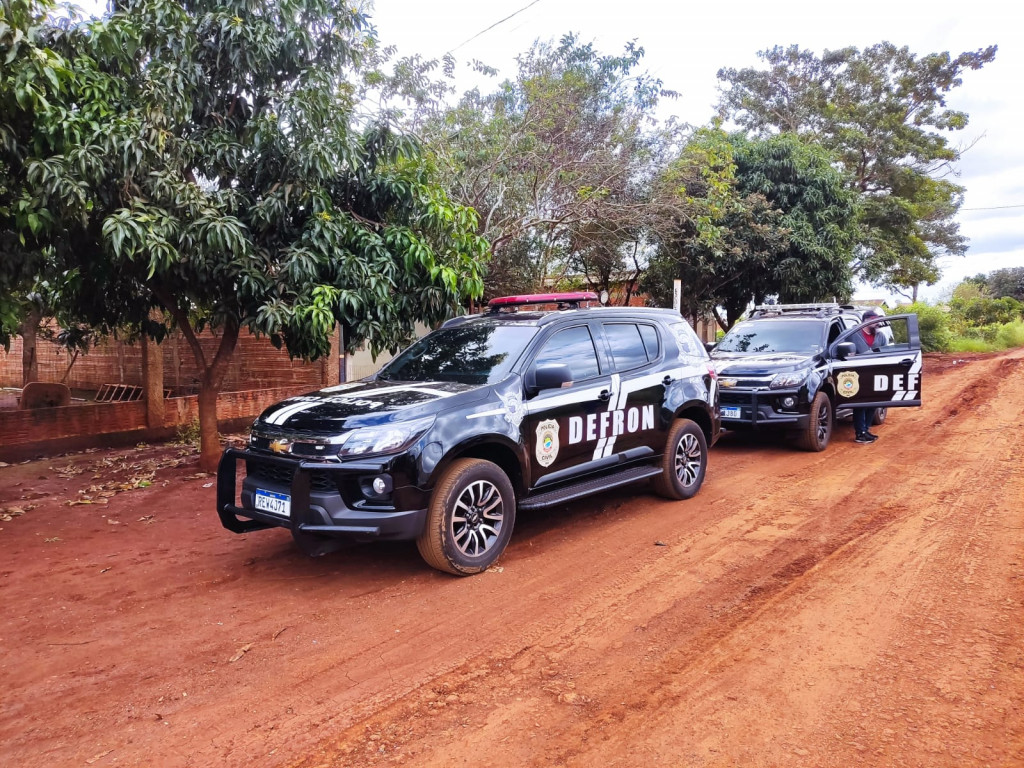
point(788, 402)
point(379, 486)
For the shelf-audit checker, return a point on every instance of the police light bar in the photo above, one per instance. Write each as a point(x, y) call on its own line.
point(571, 299)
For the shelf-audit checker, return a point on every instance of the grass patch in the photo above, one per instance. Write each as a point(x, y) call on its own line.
point(991, 338)
point(966, 344)
point(1011, 335)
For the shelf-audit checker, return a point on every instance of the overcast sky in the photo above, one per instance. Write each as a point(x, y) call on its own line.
point(687, 43)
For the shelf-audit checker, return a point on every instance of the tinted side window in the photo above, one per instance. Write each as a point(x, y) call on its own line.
point(689, 344)
point(834, 330)
point(650, 336)
point(628, 349)
point(573, 347)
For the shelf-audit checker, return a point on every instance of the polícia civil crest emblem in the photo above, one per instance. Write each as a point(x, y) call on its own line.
point(848, 383)
point(547, 442)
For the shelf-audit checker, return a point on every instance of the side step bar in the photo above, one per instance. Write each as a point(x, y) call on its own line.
point(589, 487)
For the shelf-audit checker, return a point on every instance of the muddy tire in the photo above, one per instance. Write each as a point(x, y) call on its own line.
point(470, 519)
point(684, 463)
point(819, 427)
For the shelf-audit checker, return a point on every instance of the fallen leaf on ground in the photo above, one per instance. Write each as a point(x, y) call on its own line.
point(240, 652)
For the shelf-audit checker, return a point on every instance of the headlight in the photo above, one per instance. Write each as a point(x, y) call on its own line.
point(794, 379)
point(387, 438)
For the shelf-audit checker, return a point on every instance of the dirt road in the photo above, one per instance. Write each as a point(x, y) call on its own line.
point(859, 606)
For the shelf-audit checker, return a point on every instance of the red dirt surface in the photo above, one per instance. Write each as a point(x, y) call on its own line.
point(861, 606)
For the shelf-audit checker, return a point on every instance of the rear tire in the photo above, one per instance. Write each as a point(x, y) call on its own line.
point(819, 426)
point(684, 463)
point(470, 519)
point(880, 416)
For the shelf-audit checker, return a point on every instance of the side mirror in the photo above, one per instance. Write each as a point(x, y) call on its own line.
point(845, 350)
point(551, 376)
point(710, 346)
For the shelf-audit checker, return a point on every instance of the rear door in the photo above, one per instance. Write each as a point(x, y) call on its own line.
point(885, 372)
point(631, 427)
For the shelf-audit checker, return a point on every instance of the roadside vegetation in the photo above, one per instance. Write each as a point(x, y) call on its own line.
point(984, 313)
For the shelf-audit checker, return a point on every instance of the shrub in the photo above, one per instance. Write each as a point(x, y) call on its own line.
point(1011, 335)
point(933, 324)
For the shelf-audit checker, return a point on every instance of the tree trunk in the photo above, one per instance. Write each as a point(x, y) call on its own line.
point(209, 437)
point(29, 332)
point(211, 378)
point(209, 387)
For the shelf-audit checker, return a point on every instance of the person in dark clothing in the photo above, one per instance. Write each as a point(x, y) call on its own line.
point(866, 341)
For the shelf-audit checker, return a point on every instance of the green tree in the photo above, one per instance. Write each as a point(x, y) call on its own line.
point(216, 175)
point(1005, 282)
point(771, 217)
point(32, 80)
point(558, 161)
point(882, 112)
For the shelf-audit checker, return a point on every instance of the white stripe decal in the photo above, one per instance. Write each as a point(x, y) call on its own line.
point(290, 410)
point(605, 444)
point(492, 412)
point(557, 401)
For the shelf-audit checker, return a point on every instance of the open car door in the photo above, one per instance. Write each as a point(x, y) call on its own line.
point(886, 375)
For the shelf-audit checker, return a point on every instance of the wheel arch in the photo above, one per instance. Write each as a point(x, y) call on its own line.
point(697, 413)
point(497, 451)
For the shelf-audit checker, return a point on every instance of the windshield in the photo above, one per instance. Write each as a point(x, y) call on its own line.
point(766, 336)
point(478, 353)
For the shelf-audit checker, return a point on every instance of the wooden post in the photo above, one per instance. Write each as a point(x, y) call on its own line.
point(153, 381)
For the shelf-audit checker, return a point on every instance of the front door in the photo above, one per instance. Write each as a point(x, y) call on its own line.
point(885, 368)
point(558, 431)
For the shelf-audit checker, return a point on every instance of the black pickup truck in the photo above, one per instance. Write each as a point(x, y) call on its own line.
point(795, 368)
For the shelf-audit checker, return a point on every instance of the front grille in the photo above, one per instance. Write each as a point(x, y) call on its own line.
point(281, 474)
point(734, 398)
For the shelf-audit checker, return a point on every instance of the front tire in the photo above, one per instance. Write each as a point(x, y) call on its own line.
point(470, 519)
point(819, 426)
point(684, 463)
point(880, 416)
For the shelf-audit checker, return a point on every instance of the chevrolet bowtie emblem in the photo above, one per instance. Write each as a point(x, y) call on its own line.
point(280, 446)
point(727, 382)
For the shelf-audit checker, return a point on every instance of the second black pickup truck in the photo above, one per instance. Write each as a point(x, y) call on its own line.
point(796, 368)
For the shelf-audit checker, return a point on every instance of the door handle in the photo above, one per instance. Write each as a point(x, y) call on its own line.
point(604, 396)
point(907, 362)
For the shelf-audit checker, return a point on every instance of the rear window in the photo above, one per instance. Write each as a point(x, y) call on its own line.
point(765, 336)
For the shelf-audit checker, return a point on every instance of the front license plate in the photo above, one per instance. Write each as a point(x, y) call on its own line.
point(730, 412)
point(277, 503)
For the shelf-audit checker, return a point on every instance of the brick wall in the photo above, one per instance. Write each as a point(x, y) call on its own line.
point(53, 430)
point(256, 364)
